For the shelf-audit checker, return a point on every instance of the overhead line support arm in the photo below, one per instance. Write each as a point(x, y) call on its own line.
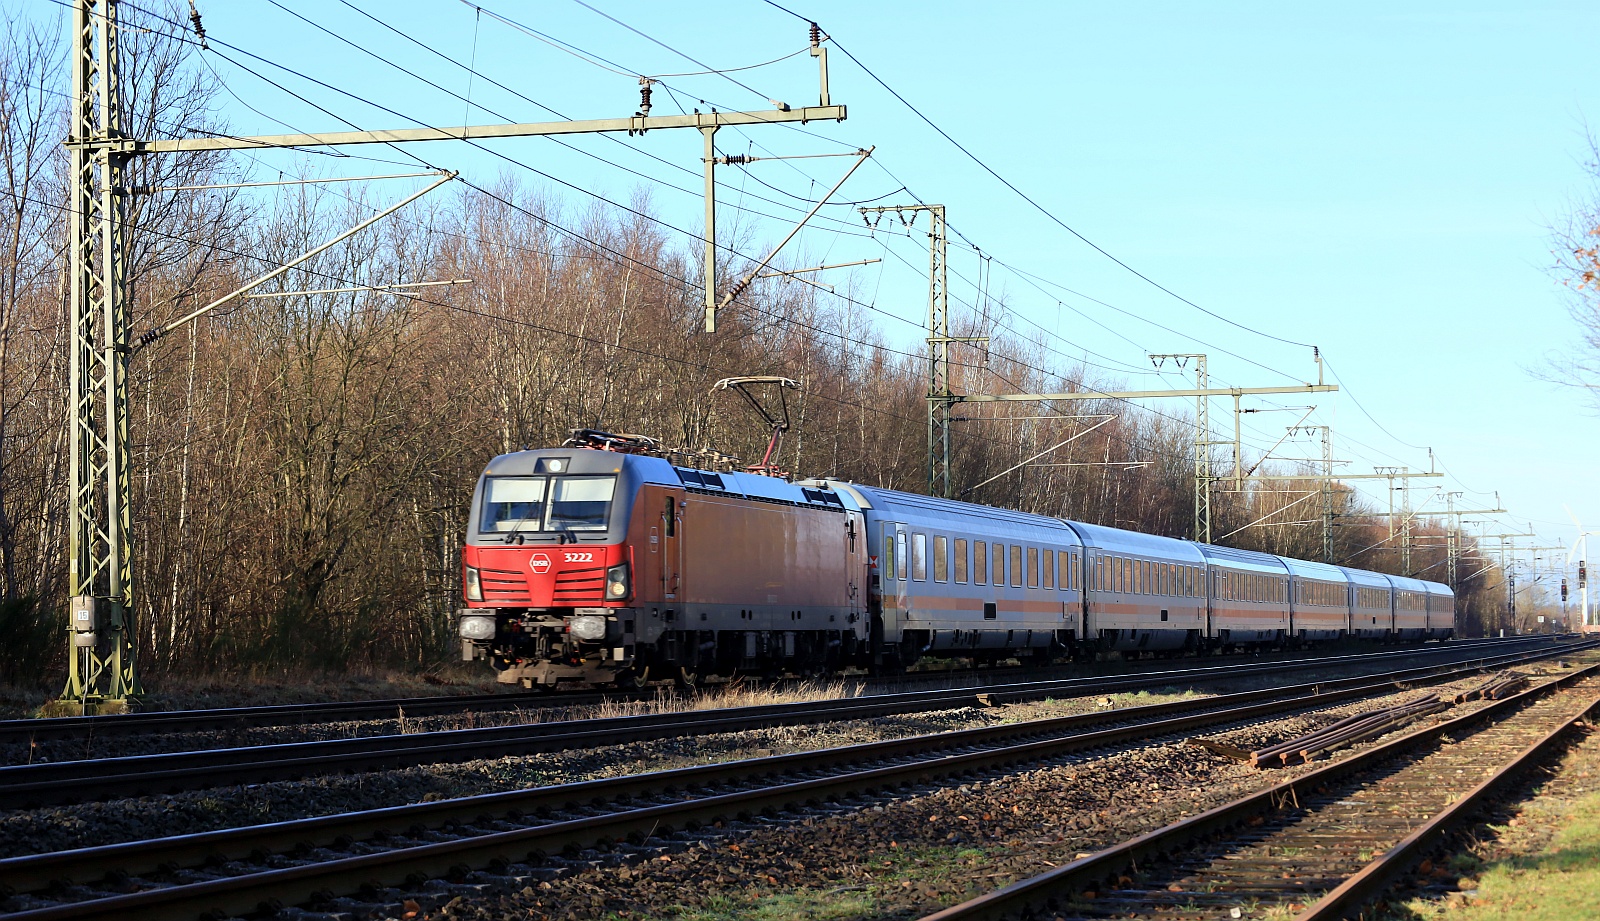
point(637, 124)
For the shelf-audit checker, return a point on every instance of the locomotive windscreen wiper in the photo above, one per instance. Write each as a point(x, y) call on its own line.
point(516, 529)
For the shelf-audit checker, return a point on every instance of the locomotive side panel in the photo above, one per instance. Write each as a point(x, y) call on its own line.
point(656, 546)
point(764, 557)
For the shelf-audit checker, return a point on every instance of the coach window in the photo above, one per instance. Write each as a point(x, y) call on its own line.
point(961, 559)
point(900, 554)
point(1072, 570)
point(980, 562)
point(888, 551)
point(1033, 567)
point(997, 567)
point(919, 557)
point(1049, 569)
point(1099, 577)
point(941, 558)
point(1016, 565)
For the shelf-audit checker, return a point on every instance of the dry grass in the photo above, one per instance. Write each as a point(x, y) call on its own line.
point(735, 694)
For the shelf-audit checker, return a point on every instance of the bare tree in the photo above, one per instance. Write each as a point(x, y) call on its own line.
point(31, 244)
point(1576, 246)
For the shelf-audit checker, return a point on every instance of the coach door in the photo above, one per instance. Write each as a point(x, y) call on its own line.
point(855, 538)
point(671, 547)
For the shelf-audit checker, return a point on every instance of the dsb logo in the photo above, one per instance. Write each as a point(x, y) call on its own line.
point(540, 563)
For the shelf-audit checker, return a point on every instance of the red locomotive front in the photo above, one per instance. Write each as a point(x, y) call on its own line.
point(604, 567)
point(546, 570)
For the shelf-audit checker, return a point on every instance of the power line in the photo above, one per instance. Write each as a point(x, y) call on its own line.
point(1025, 197)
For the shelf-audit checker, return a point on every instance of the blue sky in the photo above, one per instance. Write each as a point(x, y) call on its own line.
point(1374, 180)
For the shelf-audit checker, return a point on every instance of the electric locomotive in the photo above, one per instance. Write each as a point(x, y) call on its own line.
point(594, 566)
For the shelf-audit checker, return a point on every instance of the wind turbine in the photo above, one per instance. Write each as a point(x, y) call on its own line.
point(1580, 548)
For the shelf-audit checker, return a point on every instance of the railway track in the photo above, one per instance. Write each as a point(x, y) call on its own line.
point(235, 871)
point(23, 786)
point(1317, 847)
point(25, 731)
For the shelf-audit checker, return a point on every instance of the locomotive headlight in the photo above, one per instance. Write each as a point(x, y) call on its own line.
point(474, 584)
point(476, 627)
point(587, 627)
point(617, 582)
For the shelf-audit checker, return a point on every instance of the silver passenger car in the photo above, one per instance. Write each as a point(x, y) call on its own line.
point(1144, 591)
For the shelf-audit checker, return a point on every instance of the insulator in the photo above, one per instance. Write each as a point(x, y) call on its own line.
point(200, 31)
point(644, 95)
point(816, 35)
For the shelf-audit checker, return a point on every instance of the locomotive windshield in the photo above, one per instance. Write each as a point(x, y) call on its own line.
point(538, 503)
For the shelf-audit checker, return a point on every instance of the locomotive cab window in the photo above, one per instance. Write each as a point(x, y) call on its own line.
point(512, 503)
point(580, 503)
point(575, 503)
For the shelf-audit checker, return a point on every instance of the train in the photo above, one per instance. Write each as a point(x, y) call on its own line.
point(593, 565)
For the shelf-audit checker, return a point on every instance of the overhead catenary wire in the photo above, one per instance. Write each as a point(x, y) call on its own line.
point(682, 54)
point(679, 229)
point(624, 208)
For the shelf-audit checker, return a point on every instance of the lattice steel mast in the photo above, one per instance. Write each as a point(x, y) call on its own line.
point(100, 571)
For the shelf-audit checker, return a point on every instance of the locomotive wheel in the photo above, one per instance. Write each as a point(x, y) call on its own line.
point(632, 679)
point(685, 680)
